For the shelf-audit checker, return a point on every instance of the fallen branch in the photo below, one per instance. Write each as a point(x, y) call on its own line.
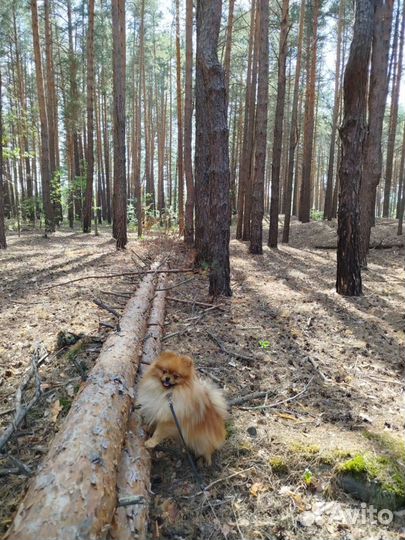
point(20, 409)
point(122, 295)
point(79, 473)
point(236, 355)
point(133, 481)
point(195, 303)
point(281, 402)
point(187, 327)
point(108, 308)
point(250, 397)
point(109, 276)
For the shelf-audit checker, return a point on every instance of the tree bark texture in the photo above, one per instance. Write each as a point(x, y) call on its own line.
point(378, 88)
point(73, 494)
point(212, 161)
point(352, 133)
point(256, 226)
point(120, 184)
point(278, 128)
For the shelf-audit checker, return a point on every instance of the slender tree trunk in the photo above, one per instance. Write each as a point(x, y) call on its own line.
point(120, 185)
point(352, 133)
point(401, 202)
point(3, 241)
point(212, 159)
point(180, 161)
point(393, 120)
point(228, 47)
point(278, 127)
point(293, 137)
point(256, 229)
point(88, 200)
point(378, 88)
point(45, 164)
point(304, 211)
point(243, 165)
point(327, 214)
point(188, 112)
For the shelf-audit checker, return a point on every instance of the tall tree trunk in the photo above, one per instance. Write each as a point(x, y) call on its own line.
point(327, 214)
point(352, 133)
point(228, 47)
point(3, 241)
point(212, 160)
point(88, 200)
point(244, 166)
point(52, 106)
point(293, 136)
point(401, 202)
point(120, 185)
point(180, 162)
point(393, 120)
point(188, 112)
point(256, 228)
point(278, 127)
point(304, 211)
point(378, 87)
point(45, 163)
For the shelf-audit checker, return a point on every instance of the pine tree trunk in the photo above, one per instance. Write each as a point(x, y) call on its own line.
point(352, 133)
point(378, 87)
point(180, 161)
point(293, 136)
point(120, 185)
point(327, 214)
point(278, 128)
point(188, 112)
point(393, 120)
point(304, 211)
point(244, 166)
point(401, 201)
point(212, 160)
point(3, 241)
point(228, 47)
point(88, 200)
point(45, 164)
point(256, 228)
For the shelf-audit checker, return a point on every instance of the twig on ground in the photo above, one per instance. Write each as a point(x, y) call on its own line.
point(106, 325)
point(11, 470)
point(144, 261)
point(210, 375)
point(22, 467)
point(194, 303)
point(193, 321)
point(249, 397)
point(20, 409)
point(121, 295)
point(236, 355)
point(217, 481)
point(108, 276)
point(277, 403)
point(108, 308)
point(176, 284)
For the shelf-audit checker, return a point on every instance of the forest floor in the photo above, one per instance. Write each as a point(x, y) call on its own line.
point(332, 367)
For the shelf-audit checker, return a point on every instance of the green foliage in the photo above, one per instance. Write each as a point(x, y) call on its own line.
point(316, 215)
point(264, 344)
point(278, 465)
point(308, 478)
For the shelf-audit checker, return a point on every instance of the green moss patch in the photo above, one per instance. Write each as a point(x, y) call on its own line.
point(375, 479)
point(278, 465)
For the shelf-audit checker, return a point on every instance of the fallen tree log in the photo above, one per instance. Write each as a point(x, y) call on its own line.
point(133, 480)
point(73, 495)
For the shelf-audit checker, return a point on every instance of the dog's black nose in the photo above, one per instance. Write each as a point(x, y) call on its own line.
point(167, 379)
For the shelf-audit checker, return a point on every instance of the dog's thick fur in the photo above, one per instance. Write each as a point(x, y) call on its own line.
point(199, 406)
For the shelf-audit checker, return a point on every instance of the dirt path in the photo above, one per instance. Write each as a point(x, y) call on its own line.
point(344, 355)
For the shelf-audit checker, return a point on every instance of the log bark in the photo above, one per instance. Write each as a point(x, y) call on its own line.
point(74, 493)
point(133, 480)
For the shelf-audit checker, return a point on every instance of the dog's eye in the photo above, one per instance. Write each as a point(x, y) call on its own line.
point(176, 376)
point(164, 371)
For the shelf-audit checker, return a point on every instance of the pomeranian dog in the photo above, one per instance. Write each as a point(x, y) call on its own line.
point(199, 406)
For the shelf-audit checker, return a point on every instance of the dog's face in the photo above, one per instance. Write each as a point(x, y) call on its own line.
point(173, 370)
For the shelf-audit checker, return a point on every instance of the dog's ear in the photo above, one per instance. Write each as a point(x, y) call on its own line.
point(187, 360)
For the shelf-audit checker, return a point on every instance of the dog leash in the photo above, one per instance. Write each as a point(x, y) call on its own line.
point(189, 456)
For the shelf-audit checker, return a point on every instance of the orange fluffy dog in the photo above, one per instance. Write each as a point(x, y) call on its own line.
point(199, 406)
